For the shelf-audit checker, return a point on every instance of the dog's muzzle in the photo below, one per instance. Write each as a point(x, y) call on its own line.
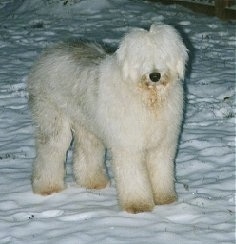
point(155, 77)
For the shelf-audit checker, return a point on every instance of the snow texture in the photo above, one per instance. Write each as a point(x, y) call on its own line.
point(205, 163)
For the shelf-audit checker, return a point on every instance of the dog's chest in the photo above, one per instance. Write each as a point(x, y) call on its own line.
point(133, 126)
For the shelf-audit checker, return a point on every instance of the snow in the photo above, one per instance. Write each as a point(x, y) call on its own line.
point(205, 163)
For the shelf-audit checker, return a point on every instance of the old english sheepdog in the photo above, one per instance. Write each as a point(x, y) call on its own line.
point(130, 101)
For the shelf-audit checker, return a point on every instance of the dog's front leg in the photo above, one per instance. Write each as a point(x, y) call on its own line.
point(161, 170)
point(132, 181)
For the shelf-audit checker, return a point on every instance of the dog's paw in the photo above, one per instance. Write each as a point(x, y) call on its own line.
point(95, 182)
point(161, 199)
point(46, 188)
point(135, 208)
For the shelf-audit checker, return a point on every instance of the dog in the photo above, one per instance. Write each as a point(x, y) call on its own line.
point(130, 101)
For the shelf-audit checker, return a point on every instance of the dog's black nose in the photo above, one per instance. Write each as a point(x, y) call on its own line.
point(155, 77)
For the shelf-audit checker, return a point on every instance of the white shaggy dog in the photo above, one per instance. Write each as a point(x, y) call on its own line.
point(130, 101)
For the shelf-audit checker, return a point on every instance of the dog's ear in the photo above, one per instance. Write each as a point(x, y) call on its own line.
point(181, 63)
point(174, 40)
point(122, 58)
point(121, 52)
point(154, 28)
point(128, 52)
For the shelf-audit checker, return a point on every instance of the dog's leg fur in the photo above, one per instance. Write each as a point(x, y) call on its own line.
point(161, 171)
point(89, 160)
point(132, 181)
point(53, 137)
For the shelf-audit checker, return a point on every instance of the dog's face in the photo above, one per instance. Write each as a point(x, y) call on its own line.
point(155, 57)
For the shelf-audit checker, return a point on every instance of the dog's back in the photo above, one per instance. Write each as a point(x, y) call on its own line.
point(78, 50)
point(64, 67)
point(64, 76)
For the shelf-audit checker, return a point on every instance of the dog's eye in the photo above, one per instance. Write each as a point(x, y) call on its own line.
point(155, 77)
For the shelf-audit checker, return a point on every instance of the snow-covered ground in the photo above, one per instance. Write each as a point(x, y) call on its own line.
point(205, 164)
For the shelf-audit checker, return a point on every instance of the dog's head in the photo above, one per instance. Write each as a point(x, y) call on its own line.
point(157, 56)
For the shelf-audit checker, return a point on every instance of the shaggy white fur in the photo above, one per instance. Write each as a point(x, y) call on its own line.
point(130, 101)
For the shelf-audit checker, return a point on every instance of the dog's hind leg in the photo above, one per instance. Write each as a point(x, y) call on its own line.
point(53, 137)
point(89, 160)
